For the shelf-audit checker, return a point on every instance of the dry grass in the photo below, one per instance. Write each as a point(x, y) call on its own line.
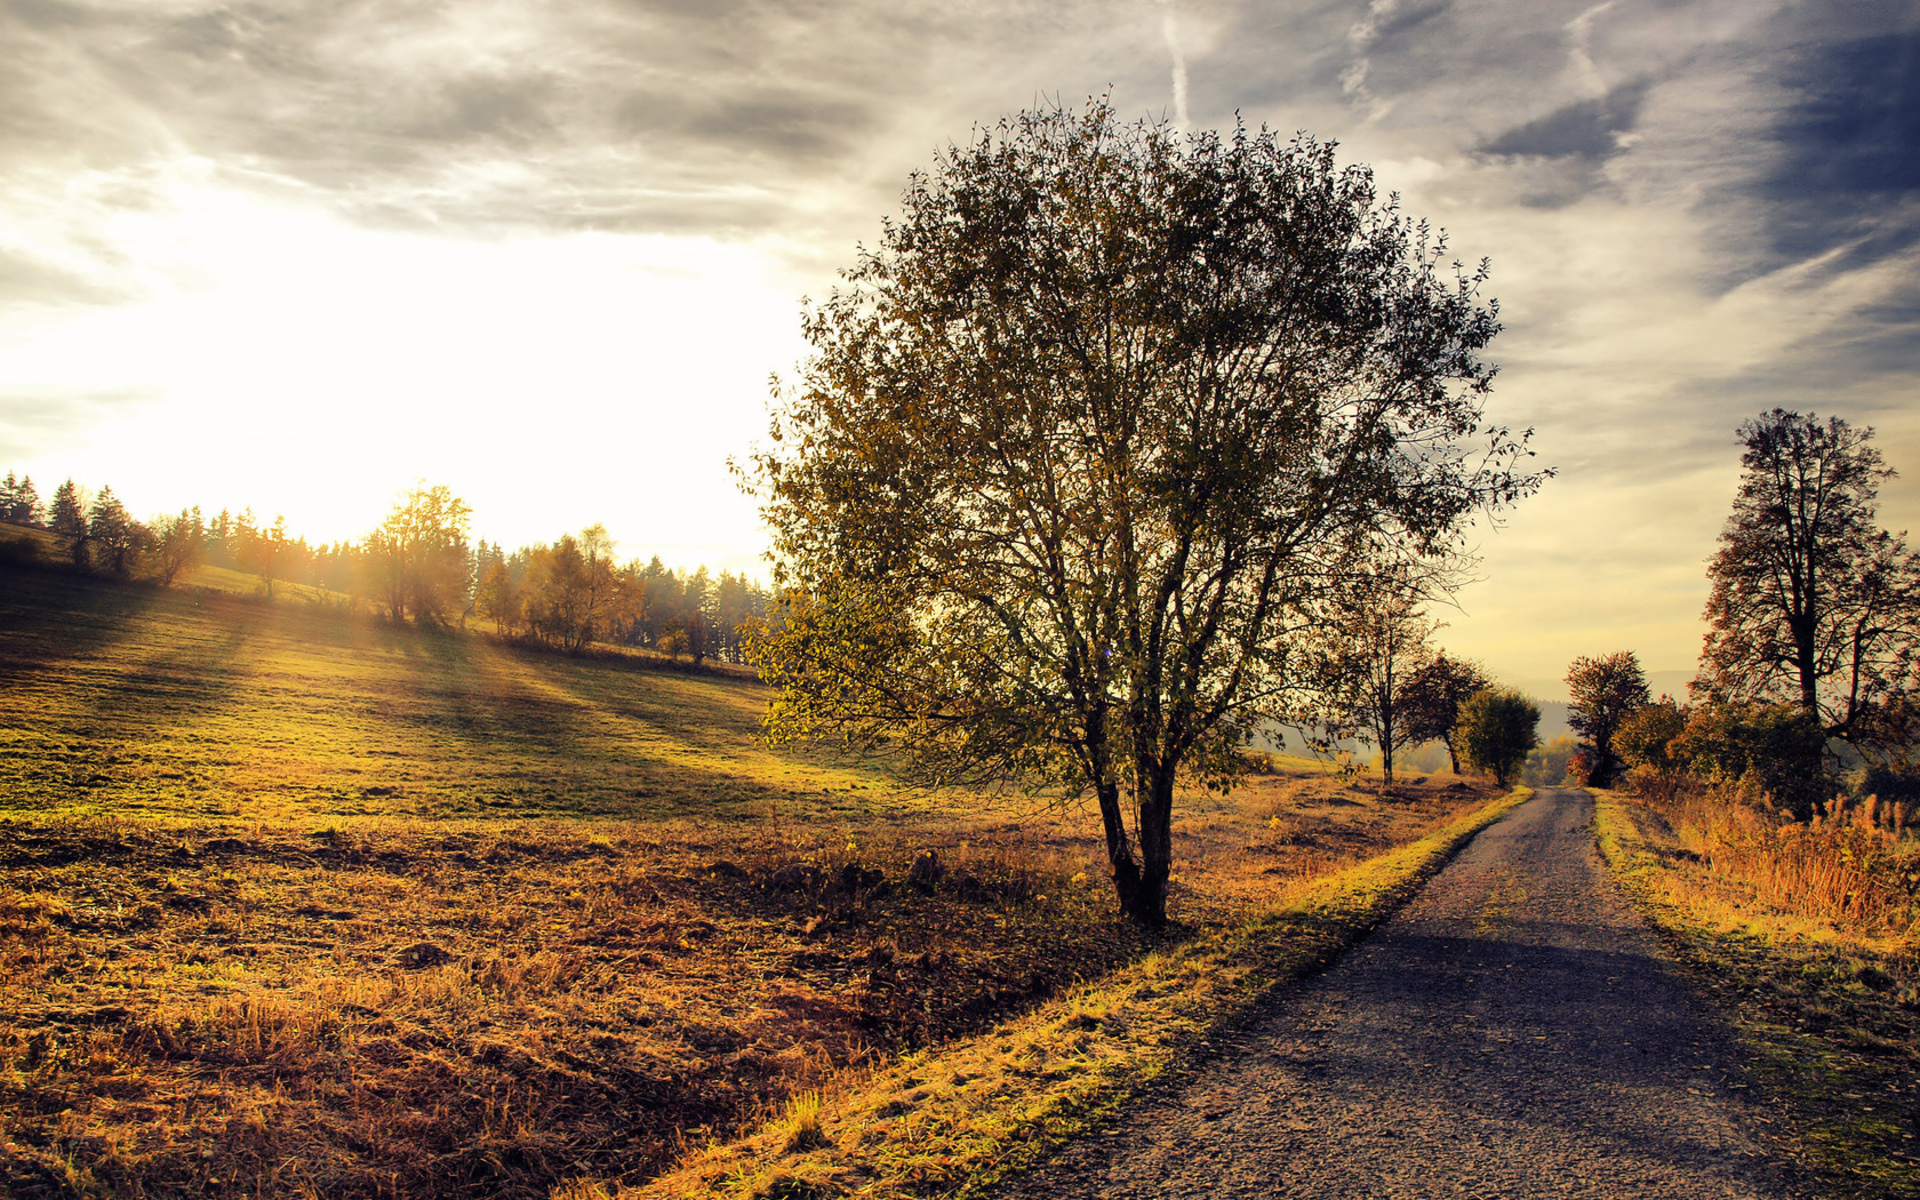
point(1804, 938)
point(1839, 867)
point(228, 829)
point(221, 1009)
point(955, 1120)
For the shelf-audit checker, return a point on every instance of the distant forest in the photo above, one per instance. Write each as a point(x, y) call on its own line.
point(420, 567)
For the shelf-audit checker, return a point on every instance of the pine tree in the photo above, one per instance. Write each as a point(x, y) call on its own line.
point(25, 509)
point(69, 519)
point(116, 537)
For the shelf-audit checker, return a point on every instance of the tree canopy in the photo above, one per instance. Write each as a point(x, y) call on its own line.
point(1498, 726)
point(1602, 693)
point(1812, 603)
point(1370, 646)
point(1434, 694)
point(1082, 442)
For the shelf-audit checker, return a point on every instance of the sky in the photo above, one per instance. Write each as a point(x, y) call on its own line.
point(294, 256)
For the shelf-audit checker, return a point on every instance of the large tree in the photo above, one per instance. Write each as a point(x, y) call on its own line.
point(1812, 603)
point(1602, 692)
point(1084, 439)
point(418, 559)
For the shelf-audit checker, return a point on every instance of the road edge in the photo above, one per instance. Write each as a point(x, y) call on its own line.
point(962, 1119)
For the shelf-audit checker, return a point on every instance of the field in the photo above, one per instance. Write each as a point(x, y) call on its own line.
point(297, 902)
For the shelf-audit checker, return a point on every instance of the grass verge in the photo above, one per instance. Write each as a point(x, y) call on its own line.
point(957, 1120)
point(1829, 1016)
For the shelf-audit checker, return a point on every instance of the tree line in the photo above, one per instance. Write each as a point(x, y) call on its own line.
point(1808, 688)
point(420, 567)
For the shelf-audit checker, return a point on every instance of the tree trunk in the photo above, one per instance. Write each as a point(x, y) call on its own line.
point(1126, 868)
point(1145, 900)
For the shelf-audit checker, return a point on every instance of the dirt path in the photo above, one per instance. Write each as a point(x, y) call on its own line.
point(1514, 1032)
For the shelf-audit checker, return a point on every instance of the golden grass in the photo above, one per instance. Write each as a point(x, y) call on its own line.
point(227, 827)
point(1832, 868)
point(1822, 987)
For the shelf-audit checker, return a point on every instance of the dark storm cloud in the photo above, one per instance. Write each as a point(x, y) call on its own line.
point(1847, 168)
point(1586, 129)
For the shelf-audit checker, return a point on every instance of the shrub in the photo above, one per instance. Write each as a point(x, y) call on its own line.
point(1768, 750)
point(1645, 738)
point(21, 551)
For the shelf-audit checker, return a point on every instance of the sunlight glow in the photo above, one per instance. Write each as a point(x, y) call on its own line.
point(314, 368)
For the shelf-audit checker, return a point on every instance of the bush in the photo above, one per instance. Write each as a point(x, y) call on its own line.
point(1547, 762)
point(1580, 766)
point(1645, 738)
point(1770, 751)
point(20, 551)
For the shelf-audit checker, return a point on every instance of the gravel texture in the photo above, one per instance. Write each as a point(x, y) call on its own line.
point(1515, 1031)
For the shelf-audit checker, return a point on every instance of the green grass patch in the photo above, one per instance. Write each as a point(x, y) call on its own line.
point(1829, 1019)
point(131, 699)
point(960, 1119)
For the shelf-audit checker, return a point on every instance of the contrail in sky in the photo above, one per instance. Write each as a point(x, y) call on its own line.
point(1172, 34)
point(1580, 54)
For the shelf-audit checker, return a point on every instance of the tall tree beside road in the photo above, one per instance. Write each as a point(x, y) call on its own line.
point(1085, 441)
point(1602, 693)
point(1813, 603)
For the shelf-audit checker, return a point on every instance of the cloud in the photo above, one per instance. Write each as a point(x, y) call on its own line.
point(28, 281)
point(1590, 130)
point(1846, 166)
point(623, 115)
point(32, 421)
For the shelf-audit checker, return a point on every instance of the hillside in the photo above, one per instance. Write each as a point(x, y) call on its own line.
point(127, 698)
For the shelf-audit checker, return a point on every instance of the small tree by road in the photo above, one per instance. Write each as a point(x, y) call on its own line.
point(1373, 644)
point(1603, 692)
point(1498, 726)
point(1434, 695)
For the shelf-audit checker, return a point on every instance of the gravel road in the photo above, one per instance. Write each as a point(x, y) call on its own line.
point(1515, 1031)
